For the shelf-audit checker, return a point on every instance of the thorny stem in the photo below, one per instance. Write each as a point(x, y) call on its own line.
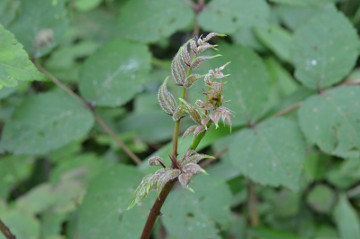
point(97, 118)
point(6, 231)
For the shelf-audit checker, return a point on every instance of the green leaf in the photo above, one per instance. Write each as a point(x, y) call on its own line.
point(311, 3)
point(14, 62)
point(13, 170)
point(21, 224)
point(273, 153)
point(40, 26)
point(86, 5)
point(103, 212)
point(277, 40)
point(321, 198)
point(269, 233)
point(8, 10)
point(347, 220)
point(325, 49)
point(248, 85)
point(331, 121)
point(138, 20)
point(197, 214)
point(45, 122)
point(113, 75)
point(226, 16)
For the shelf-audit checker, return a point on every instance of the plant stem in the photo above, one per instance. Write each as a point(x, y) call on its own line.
point(177, 123)
point(252, 204)
point(97, 118)
point(6, 231)
point(155, 210)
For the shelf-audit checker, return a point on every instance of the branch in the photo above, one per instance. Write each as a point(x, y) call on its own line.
point(97, 118)
point(6, 231)
point(252, 204)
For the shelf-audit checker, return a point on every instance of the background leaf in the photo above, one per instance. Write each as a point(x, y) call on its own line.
point(346, 219)
point(139, 23)
point(113, 75)
point(103, 211)
point(272, 153)
point(40, 26)
point(325, 49)
point(226, 16)
point(40, 124)
point(196, 215)
point(14, 62)
point(331, 121)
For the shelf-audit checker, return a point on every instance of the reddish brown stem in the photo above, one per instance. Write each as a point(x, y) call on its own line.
point(155, 210)
point(6, 231)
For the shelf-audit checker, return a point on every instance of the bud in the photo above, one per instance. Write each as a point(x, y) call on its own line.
point(155, 161)
point(194, 114)
point(166, 99)
point(201, 59)
point(177, 70)
point(191, 79)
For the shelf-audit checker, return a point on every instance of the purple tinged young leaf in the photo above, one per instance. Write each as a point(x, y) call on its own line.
point(193, 46)
point(179, 112)
point(177, 69)
point(201, 59)
point(189, 81)
point(167, 176)
point(204, 106)
point(204, 47)
point(185, 55)
point(184, 180)
point(141, 191)
point(195, 159)
point(212, 35)
point(166, 99)
point(188, 131)
point(192, 168)
point(222, 112)
point(199, 129)
point(194, 114)
point(155, 161)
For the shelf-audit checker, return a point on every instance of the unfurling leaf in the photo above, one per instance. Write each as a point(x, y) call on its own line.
point(184, 179)
point(194, 158)
point(189, 131)
point(201, 59)
point(212, 35)
point(177, 69)
point(155, 161)
point(179, 112)
point(193, 168)
point(185, 55)
point(189, 81)
point(141, 191)
point(194, 114)
point(166, 99)
point(167, 176)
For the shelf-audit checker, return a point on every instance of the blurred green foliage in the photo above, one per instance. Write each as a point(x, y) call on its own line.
point(293, 89)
